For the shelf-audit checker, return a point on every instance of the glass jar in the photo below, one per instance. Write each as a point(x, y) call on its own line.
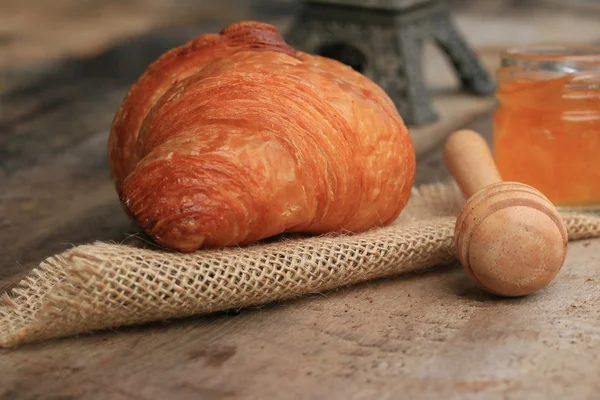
point(547, 124)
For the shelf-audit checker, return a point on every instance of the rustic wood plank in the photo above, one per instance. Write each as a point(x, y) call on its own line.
point(69, 28)
point(430, 335)
point(51, 208)
point(431, 167)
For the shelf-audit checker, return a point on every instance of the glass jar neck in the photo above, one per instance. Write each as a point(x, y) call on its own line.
point(579, 66)
point(553, 58)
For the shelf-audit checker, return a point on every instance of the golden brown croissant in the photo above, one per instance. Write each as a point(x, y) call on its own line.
point(236, 137)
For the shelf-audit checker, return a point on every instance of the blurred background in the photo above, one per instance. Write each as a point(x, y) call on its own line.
point(34, 33)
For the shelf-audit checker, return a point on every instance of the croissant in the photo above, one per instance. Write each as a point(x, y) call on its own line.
point(235, 137)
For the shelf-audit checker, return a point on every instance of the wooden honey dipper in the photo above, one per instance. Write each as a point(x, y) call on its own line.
point(509, 237)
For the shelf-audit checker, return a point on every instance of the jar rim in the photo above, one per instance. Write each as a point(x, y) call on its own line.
point(554, 52)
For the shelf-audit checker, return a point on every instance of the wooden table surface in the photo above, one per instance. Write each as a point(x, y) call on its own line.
point(64, 68)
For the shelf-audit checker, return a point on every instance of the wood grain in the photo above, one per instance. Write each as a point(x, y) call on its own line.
point(430, 335)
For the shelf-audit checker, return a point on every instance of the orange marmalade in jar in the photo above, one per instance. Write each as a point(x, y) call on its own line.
point(547, 124)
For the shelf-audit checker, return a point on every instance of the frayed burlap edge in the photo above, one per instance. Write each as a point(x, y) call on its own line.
point(107, 285)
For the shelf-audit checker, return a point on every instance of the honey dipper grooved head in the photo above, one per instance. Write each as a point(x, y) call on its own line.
point(511, 239)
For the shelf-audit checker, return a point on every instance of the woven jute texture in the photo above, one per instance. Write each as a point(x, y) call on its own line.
point(106, 285)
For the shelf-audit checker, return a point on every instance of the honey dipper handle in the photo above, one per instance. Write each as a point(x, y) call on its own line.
point(470, 161)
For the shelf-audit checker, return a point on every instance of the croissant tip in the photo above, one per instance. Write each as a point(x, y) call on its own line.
point(183, 245)
point(247, 26)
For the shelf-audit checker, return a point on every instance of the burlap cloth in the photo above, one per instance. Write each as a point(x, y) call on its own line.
point(106, 285)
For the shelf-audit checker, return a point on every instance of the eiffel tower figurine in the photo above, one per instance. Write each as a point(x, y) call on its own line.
point(383, 39)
